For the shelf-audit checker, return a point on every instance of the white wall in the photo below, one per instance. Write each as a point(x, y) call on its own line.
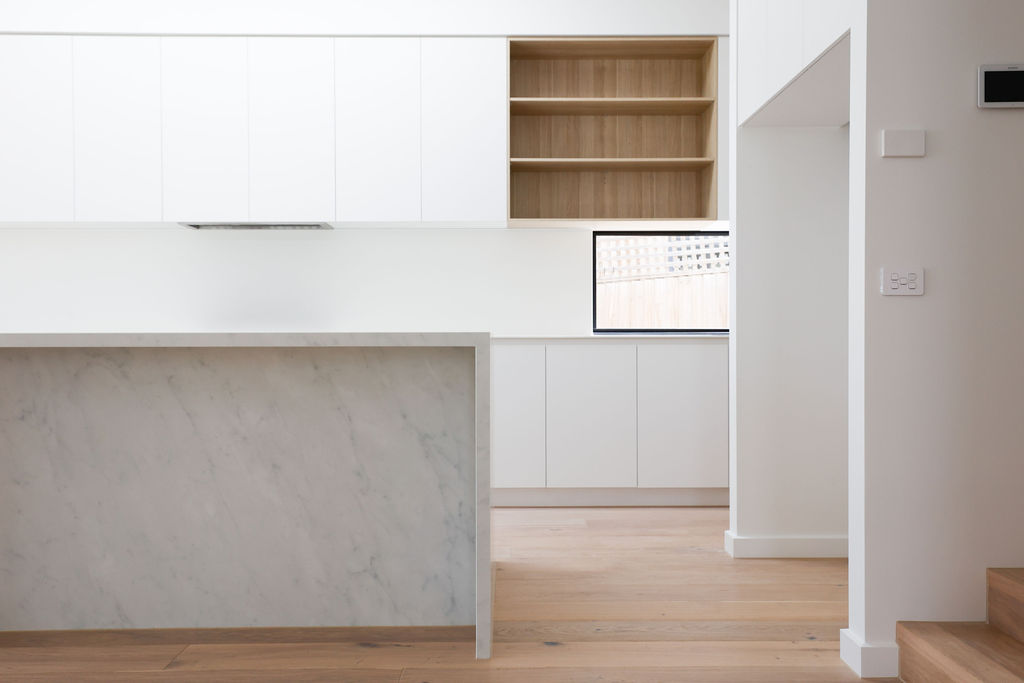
point(820, 96)
point(509, 282)
point(788, 451)
point(360, 17)
point(936, 382)
point(777, 40)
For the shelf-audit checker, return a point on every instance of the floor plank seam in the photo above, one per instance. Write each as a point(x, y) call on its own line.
point(175, 657)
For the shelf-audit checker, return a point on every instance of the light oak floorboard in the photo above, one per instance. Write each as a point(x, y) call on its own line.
point(20, 660)
point(358, 675)
point(631, 631)
point(631, 675)
point(214, 636)
point(507, 655)
point(605, 595)
point(271, 656)
point(512, 589)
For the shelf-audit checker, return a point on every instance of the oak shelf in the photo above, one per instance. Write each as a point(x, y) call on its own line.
point(595, 106)
point(612, 164)
point(610, 48)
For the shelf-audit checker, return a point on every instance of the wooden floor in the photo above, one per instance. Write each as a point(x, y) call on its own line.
point(615, 594)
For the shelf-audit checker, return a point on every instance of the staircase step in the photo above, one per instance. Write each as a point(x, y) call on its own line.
point(958, 652)
point(1006, 601)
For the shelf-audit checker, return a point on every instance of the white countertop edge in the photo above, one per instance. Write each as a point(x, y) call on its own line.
point(241, 339)
point(616, 339)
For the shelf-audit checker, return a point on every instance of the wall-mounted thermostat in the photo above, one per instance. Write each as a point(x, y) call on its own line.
point(1001, 85)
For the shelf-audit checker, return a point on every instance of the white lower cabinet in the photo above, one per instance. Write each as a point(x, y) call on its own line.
point(517, 414)
point(602, 415)
point(682, 416)
point(591, 415)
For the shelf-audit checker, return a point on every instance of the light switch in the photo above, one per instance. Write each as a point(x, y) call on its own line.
point(902, 281)
point(903, 143)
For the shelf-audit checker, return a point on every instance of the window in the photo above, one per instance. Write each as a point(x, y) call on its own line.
point(661, 281)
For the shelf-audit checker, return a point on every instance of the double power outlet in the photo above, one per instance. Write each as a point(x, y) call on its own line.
point(903, 281)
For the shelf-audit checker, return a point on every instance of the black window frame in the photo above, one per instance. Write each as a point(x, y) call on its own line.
point(638, 330)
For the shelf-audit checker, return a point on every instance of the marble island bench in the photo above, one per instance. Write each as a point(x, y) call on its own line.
point(227, 480)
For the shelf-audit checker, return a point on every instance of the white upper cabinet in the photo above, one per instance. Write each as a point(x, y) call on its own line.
point(465, 138)
point(266, 129)
point(117, 129)
point(683, 415)
point(36, 139)
point(591, 415)
point(291, 129)
point(378, 129)
point(205, 129)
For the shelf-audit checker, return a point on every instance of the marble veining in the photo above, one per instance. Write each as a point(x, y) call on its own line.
point(241, 484)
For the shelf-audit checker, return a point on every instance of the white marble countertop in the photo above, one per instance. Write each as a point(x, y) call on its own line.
point(241, 339)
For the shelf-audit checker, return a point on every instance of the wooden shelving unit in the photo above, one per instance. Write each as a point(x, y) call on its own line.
point(613, 128)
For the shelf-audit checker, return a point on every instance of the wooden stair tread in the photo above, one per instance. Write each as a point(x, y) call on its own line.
point(1006, 601)
point(1014, 574)
point(965, 652)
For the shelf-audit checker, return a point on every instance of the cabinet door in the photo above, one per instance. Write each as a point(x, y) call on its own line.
point(465, 158)
point(36, 147)
point(291, 129)
point(591, 415)
point(378, 129)
point(117, 129)
point(683, 414)
point(205, 129)
point(517, 414)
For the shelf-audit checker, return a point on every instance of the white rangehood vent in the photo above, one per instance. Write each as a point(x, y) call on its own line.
point(259, 226)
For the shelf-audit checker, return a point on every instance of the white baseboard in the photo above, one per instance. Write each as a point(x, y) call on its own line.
point(869, 660)
point(608, 497)
point(785, 546)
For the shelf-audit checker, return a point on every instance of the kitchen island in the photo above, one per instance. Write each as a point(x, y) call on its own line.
point(230, 480)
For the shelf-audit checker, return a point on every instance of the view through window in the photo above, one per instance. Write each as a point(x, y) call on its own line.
point(661, 281)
